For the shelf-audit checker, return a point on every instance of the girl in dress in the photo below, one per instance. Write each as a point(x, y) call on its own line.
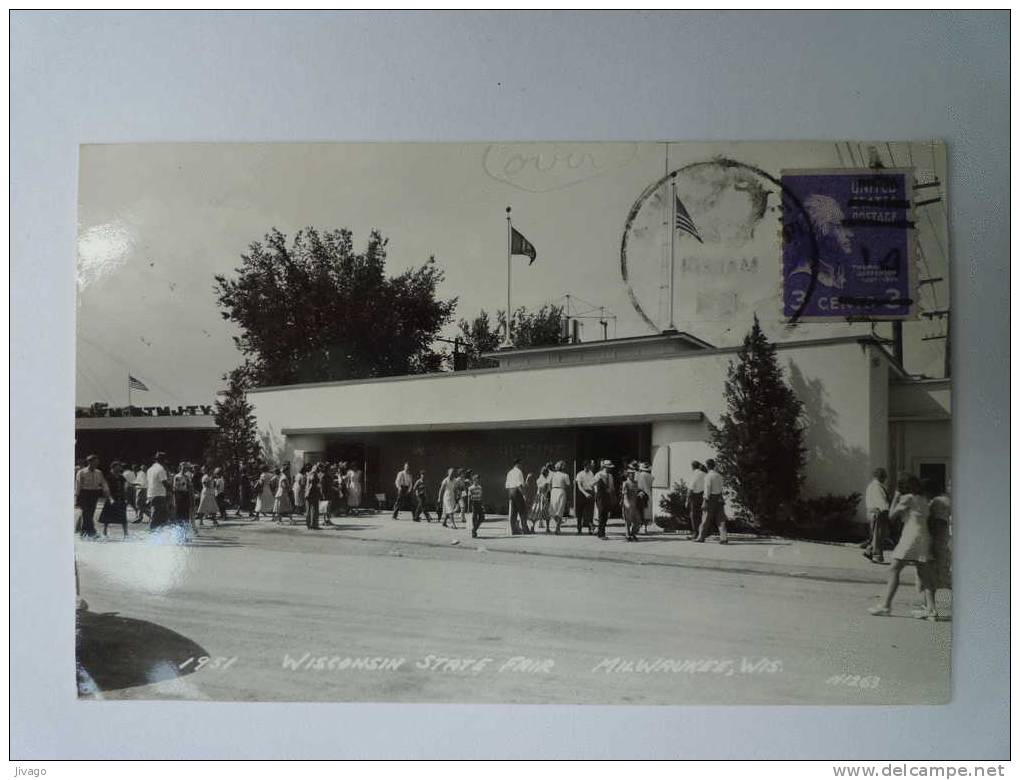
point(182, 493)
point(300, 483)
point(342, 490)
point(630, 505)
point(281, 504)
point(353, 489)
point(940, 528)
point(912, 508)
point(559, 485)
point(115, 510)
point(207, 505)
point(541, 506)
point(448, 498)
point(530, 491)
point(264, 497)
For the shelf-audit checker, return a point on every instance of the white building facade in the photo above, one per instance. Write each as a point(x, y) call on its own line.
point(649, 398)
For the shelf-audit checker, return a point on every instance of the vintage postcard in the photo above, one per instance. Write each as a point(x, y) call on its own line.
point(627, 423)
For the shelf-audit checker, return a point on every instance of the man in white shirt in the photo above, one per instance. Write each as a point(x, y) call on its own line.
point(714, 504)
point(157, 486)
point(644, 480)
point(141, 493)
point(403, 483)
point(696, 497)
point(515, 493)
point(876, 502)
point(605, 495)
point(585, 498)
point(89, 486)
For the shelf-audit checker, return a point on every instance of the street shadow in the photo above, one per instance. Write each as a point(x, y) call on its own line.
point(115, 652)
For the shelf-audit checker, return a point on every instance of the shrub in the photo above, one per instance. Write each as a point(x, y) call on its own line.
point(828, 518)
point(674, 505)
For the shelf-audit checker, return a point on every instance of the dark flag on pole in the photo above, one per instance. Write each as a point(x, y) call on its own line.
point(136, 384)
point(683, 220)
point(519, 245)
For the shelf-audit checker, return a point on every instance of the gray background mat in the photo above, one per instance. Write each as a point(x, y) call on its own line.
point(85, 77)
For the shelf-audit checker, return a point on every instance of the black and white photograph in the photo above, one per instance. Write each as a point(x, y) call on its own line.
point(446, 385)
point(566, 423)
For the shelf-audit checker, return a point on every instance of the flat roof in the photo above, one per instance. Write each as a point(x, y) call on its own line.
point(692, 354)
point(502, 425)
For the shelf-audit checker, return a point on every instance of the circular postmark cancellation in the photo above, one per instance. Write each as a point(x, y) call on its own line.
point(729, 221)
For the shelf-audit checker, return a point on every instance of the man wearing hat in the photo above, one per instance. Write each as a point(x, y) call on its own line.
point(157, 488)
point(644, 480)
point(605, 490)
point(89, 486)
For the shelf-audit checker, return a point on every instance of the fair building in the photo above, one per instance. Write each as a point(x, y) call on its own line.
point(648, 398)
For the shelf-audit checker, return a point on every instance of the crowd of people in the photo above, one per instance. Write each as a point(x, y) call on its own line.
point(535, 502)
point(191, 494)
point(922, 513)
point(318, 492)
point(915, 521)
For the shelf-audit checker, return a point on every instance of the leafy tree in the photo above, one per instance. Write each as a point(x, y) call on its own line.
point(760, 438)
point(529, 329)
point(235, 442)
point(319, 310)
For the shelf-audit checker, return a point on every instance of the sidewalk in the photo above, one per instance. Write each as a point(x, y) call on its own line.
point(744, 553)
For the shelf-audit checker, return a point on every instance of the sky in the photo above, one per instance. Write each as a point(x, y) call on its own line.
point(158, 221)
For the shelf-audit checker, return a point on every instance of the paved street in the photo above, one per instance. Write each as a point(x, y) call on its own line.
point(377, 610)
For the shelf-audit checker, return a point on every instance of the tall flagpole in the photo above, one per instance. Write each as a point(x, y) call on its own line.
point(672, 231)
point(506, 339)
point(129, 391)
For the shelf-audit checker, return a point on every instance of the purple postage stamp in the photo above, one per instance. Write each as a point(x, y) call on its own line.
point(848, 244)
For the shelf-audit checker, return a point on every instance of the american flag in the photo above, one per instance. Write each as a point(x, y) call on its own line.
point(136, 384)
point(683, 221)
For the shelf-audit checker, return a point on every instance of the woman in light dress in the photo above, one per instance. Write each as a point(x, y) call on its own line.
point(300, 483)
point(281, 501)
point(559, 486)
point(353, 488)
point(448, 498)
point(915, 546)
point(540, 508)
point(630, 503)
point(207, 506)
point(265, 498)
